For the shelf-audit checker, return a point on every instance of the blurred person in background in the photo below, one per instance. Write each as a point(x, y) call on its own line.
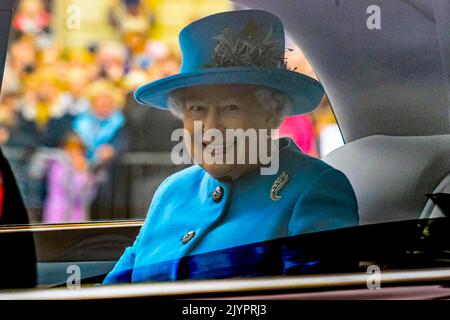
point(23, 57)
point(101, 128)
point(71, 102)
point(163, 67)
point(31, 17)
point(15, 130)
point(83, 59)
point(41, 104)
point(68, 98)
point(111, 58)
point(71, 186)
point(156, 49)
point(51, 60)
point(133, 20)
point(73, 99)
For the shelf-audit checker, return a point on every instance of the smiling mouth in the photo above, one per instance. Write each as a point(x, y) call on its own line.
point(218, 149)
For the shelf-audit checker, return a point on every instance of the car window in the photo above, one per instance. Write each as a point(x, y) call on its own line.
point(64, 57)
point(105, 103)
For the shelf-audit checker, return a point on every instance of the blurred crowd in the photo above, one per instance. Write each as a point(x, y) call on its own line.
point(72, 109)
point(72, 112)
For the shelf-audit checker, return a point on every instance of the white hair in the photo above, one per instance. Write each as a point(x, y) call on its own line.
point(273, 101)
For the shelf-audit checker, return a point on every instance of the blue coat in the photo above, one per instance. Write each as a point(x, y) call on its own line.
point(185, 219)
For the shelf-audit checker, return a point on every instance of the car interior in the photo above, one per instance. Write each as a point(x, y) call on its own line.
point(389, 92)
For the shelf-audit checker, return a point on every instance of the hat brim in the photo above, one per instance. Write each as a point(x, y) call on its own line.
point(304, 92)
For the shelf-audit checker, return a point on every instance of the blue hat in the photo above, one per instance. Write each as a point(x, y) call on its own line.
point(244, 46)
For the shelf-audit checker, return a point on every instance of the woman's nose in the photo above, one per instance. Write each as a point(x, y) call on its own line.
point(212, 123)
point(212, 120)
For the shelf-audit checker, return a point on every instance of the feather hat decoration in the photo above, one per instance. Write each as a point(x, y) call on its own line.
point(253, 46)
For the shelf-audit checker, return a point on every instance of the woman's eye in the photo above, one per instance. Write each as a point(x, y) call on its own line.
point(230, 108)
point(195, 108)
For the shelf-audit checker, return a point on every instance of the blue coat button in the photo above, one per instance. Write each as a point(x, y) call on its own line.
point(217, 194)
point(187, 237)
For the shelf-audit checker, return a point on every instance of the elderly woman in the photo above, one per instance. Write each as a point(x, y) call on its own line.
point(233, 76)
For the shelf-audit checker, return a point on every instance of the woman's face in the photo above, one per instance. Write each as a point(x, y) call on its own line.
point(221, 107)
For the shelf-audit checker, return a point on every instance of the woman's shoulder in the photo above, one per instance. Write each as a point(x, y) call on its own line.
point(185, 178)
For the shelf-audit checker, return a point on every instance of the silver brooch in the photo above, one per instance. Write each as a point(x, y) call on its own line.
point(277, 185)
